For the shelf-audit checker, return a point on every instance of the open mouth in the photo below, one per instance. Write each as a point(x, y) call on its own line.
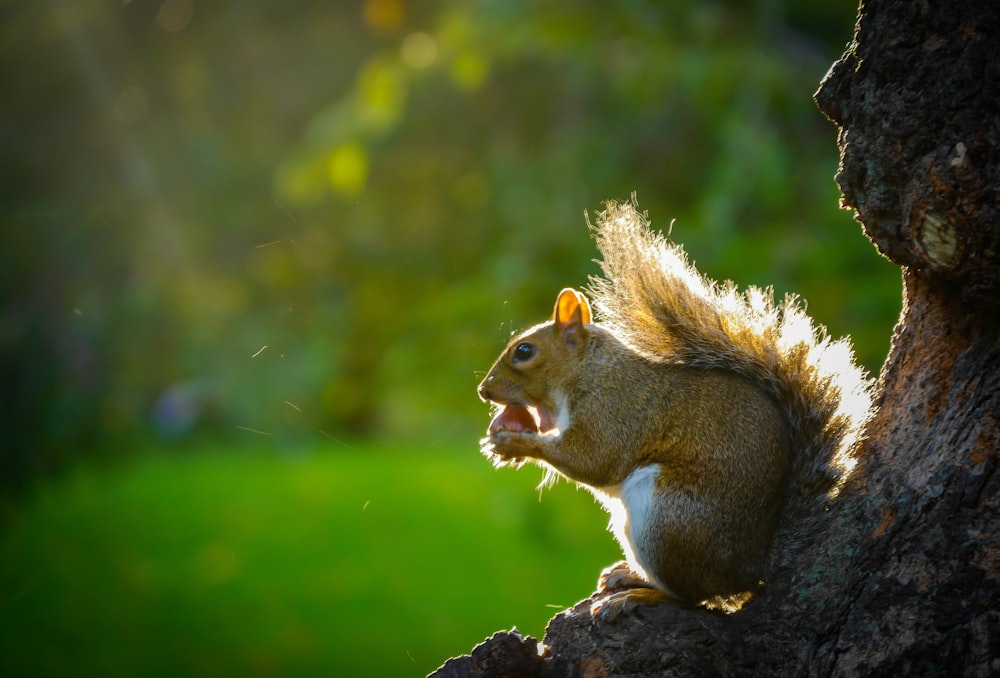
point(530, 419)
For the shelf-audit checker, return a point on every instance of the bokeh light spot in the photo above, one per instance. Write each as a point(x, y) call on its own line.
point(469, 70)
point(382, 92)
point(348, 167)
point(419, 50)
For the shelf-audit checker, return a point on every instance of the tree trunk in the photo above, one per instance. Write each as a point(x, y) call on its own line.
point(906, 580)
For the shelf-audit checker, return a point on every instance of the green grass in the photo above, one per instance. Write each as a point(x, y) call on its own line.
point(374, 560)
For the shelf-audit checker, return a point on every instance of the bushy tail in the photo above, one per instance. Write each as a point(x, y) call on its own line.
point(658, 303)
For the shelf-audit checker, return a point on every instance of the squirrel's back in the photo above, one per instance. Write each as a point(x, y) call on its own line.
point(661, 306)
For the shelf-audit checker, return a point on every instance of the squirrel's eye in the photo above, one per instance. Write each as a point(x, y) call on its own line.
point(524, 352)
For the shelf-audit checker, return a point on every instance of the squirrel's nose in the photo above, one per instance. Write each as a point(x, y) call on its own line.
point(484, 389)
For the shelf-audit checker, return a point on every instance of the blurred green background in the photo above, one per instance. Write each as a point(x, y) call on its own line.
point(257, 255)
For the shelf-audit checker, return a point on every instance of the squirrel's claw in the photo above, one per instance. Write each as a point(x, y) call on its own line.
point(619, 577)
point(609, 609)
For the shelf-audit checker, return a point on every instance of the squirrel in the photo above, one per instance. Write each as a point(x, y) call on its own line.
point(710, 423)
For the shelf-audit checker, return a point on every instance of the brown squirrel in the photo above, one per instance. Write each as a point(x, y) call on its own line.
point(706, 420)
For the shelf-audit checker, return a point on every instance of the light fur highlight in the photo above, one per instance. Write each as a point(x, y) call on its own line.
point(656, 301)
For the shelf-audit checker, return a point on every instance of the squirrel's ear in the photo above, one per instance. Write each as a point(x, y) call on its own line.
point(572, 308)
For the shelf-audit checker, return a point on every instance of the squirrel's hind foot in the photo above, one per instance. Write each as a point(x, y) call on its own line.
point(619, 577)
point(626, 590)
point(610, 609)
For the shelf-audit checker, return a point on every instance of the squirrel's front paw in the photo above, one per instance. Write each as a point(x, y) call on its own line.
point(509, 447)
point(500, 453)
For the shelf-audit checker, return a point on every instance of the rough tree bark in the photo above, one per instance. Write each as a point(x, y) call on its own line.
point(906, 580)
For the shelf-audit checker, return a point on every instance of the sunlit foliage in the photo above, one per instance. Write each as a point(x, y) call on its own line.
point(378, 192)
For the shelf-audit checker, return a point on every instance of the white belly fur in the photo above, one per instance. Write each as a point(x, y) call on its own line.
point(631, 507)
